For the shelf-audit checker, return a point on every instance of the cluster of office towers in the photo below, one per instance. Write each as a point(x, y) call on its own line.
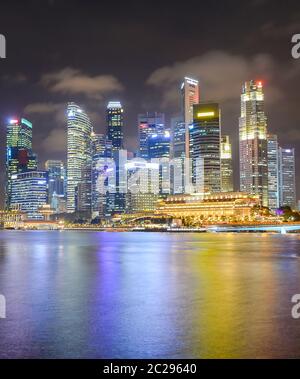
point(188, 155)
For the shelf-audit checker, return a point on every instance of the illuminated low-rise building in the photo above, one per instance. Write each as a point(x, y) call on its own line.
point(217, 206)
point(30, 193)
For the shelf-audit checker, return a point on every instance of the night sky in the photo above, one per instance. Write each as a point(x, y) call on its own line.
point(137, 52)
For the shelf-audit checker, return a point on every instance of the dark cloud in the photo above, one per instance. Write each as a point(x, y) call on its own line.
point(70, 81)
point(220, 75)
point(56, 141)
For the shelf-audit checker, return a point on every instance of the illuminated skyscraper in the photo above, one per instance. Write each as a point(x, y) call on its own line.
point(30, 192)
point(149, 124)
point(190, 96)
point(78, 156)
point(19, 156)
point(287, 177)
point(120, 158)
point(115, 124)
point(56, 179)
point(205, 138)
point(273, 172)
point(178, 137)
point(226, 165)
point(253, 142)
point(101, 145)
point(159, 145)
point(102, 199)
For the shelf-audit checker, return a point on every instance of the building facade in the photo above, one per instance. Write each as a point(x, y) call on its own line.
point(216, 207)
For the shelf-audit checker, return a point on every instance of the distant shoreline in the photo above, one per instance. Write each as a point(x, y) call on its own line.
point(270, 229)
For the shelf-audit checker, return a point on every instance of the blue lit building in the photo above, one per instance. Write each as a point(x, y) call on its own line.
point(149, 124)
point(30, 192)
point(159, 145)
point(57, 180)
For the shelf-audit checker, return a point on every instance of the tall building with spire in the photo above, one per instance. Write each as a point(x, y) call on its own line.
point(115, 124)
point(253, 141)
point(190, 96)
point(79, 132)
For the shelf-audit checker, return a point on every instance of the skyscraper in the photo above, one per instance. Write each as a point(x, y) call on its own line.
point(115, 124)
point(190, 96)
point(253, 142)
point(287, 177)
point(205, 138)
point(120, 158)
point(159, 145)
point(102, 200)
point(149, 124)
point(56, 179)
point(178, 137)
point(101, 145)
point(19, 156)
point(78, 154)
point(226, 165)
point(273, 171)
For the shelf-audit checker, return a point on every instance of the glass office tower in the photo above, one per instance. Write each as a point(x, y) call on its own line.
point(79, 130)
point(205, 138)
point(189, 96)
point(273, 171)
point(287, 177)
point(253, 142)
point(149, 124)
point(115, 124)
point(226, 165)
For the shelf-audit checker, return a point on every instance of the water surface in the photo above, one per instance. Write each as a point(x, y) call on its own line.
point(78, 294)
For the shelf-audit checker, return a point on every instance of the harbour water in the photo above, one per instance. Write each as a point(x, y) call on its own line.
point(80, 294)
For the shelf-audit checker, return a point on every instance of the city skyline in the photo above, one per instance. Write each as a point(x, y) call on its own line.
point(266, 169)
point(221, 64)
